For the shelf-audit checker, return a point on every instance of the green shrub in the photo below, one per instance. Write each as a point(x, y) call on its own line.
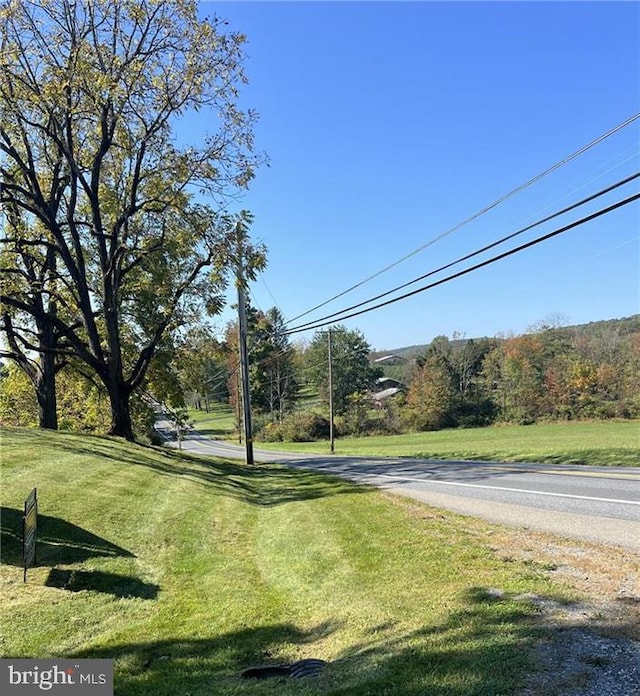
point(305, 427)
point(270, 432)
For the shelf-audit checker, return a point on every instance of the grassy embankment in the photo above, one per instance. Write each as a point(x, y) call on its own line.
point(186, 571)
point(218, 423)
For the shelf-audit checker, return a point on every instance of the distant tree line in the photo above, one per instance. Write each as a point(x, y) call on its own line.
point(552, 372)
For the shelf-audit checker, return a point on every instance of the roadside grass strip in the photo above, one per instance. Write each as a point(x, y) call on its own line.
point(598, 443)
point(187, 570)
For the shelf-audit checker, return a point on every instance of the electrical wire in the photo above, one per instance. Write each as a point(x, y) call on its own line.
point(473, 217)
point(487, 262)
point(466, 257)
point(275, 302)
point(614, 163)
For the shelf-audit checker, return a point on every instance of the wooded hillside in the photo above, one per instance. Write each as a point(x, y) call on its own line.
point(552, 372)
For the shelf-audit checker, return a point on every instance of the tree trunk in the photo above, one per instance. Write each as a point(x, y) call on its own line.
point(118, 389)
point(121, 424)
point(45, 386)
point(41, 374)
point(45, 380)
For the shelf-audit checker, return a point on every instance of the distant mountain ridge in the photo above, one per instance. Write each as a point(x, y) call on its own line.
point(625, 325)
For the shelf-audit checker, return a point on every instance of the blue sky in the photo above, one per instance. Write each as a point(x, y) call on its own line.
point(386, 123)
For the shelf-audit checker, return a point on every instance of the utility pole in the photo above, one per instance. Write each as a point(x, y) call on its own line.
point(238, 401)
point(331, 438)
point(244, 361)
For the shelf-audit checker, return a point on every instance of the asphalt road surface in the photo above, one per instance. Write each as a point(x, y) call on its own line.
point(599, 504)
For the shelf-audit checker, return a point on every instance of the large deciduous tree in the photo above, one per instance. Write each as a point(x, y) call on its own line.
point(274, 384)
point(202, 367)
point(515, 372)
point(272, 373)
point(28, 269)
point(352, 371)
point(431, 396)
point(91, 100)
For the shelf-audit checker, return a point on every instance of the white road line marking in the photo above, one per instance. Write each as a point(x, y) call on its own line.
point(513, 490)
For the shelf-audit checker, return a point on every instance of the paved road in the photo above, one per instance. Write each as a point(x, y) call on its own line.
point(600, 504)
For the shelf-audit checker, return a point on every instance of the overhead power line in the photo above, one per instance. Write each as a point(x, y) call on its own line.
point(522, 247)
point(466, 257)
point(473, 217)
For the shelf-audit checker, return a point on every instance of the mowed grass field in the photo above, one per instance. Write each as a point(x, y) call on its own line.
point(218, 423)
point(187, 570)
point(603, 443)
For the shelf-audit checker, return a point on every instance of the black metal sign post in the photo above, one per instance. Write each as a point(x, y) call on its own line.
point(29, 529)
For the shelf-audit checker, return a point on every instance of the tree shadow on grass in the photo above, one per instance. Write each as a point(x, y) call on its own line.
point(484, 649)
point(263, 485)
point(125, 586)
point(186, 665)
point(58, 541)
point(471, 653)
point(489, 647)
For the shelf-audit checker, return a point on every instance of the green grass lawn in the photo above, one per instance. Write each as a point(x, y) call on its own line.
point(218, 424)
point(186, 571)
point(605, 443)
point(308, 399)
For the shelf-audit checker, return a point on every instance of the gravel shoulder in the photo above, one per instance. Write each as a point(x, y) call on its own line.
point(591, 646)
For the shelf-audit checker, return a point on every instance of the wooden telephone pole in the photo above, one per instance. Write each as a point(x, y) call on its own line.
point(331, 438)
point(242, 345)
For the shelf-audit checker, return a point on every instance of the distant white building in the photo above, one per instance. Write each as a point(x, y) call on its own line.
point(389, 360)
point(385, 389)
